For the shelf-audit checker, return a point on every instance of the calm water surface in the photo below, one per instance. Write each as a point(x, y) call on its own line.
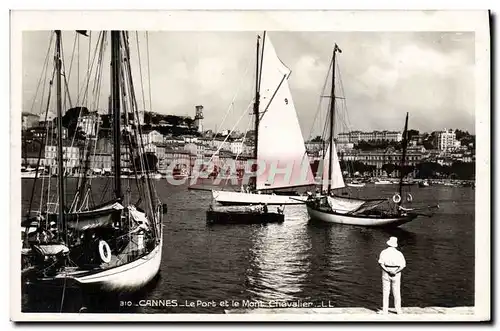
point(298, 259)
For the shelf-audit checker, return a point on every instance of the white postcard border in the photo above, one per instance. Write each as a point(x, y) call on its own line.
point(313, 20)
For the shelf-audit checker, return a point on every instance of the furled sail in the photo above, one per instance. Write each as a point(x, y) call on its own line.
point(281, 145)
point(102, 216)
point(342, 205)
point(337, 180)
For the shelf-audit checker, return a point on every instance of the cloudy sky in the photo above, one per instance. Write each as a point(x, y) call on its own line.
point(384, 75)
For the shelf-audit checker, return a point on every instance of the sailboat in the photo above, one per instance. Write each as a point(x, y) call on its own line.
point(279, 143)
point(115, 246)
point(332, 208)
point(356, 183)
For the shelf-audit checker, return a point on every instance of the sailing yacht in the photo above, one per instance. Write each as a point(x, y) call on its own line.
point(112, 246)
point(279, 143)
point(332, 208)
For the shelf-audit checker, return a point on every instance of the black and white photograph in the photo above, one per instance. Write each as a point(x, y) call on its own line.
point(250, 166)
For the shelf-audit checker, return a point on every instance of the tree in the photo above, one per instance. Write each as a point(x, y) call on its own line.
point(70, 119)
point(465, 141)
point(428, 144)
point(463, 170)
point(173, 120)
point(406, 169)
point(389, 168)
point(148, 117)
point(429, 141)
point(412, 133)
point(358, 166)
point(189, 122)
point(429, 170)
point(459, 134)
point(376, 144)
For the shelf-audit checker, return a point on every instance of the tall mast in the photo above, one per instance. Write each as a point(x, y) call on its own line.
point(115, 107)
point(60, 155)
point(332, 115)
point(403, 158)
point(256, 109)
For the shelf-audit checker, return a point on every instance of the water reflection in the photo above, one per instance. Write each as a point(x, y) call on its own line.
point(297, 259)
point(345, 262)
point(280, 258)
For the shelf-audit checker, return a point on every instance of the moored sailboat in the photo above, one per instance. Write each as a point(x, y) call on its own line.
point(331, 208)
point(356, 183)
point(115, 246)
point(278, 143)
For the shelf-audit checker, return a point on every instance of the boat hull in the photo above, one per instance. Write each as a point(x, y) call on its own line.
point(125, 278)
point(243, 217)
point(358, 220)
point(355, 185)
point(239, 198)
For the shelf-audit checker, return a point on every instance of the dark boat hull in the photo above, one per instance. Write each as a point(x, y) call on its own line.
point(317, 214)
point(243, 217)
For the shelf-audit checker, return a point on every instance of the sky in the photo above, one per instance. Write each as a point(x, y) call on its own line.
point(380, 76)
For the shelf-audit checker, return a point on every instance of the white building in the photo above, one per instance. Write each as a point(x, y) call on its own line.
point(173, 141)
point(71, 157)
point(150, 148)
point(195, 149)
point(190, 139)
point(446, 140)
point(344, 146)
point(357, 136)
point(236, 146)
point(248, 149)
point(88, 124)
point(153, 136)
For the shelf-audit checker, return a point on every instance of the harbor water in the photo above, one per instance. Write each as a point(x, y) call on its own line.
point(297, 260)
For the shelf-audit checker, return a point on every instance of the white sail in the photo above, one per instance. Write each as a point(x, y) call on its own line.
point(337, 180)
point(280, 141)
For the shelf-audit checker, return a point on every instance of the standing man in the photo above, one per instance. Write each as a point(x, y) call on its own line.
point(392, 262)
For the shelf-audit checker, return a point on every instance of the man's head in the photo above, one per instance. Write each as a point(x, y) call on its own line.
point(393, 242)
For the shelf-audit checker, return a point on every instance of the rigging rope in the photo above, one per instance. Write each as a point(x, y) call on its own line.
point(242, 142)
point(318, 109)
point(224, 141)
point(42, 74)
point(140, 71)
point(231, 104)
point(42, 147)
point(63, 73)
point(149, 72)
point(96, 97)
point(127, 81)
point(68, 78)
